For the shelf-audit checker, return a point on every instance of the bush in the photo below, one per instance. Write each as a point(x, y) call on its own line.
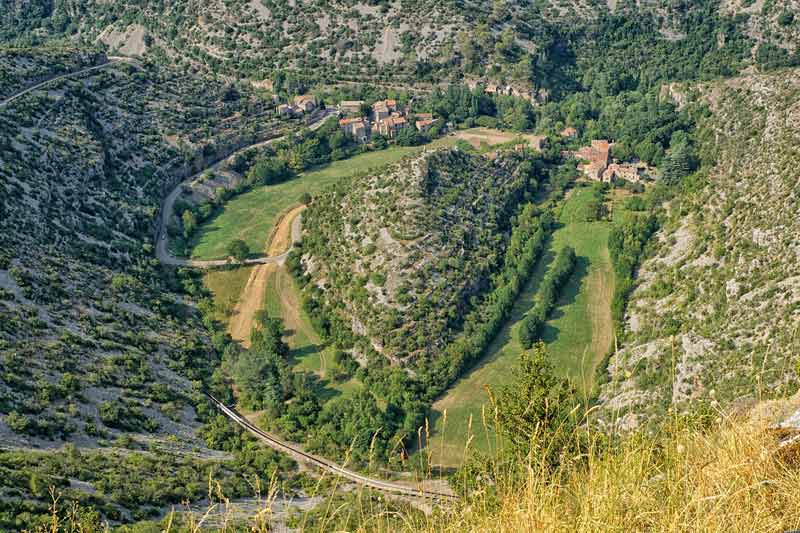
point(239, 250)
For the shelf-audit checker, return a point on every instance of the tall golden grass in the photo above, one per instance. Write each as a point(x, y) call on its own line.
point(733, 476)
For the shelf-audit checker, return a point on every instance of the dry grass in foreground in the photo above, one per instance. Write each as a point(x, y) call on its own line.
point(734, 476)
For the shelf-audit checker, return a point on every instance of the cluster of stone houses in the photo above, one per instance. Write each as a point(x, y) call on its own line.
point(386, 118)
point(597, 157)
point(301, 105)
point(597, 165)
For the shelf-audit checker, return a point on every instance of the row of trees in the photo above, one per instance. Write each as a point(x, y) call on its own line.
point(529, 235)
point(556, 278)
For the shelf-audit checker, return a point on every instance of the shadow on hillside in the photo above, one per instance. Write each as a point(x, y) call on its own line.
point(524, 303)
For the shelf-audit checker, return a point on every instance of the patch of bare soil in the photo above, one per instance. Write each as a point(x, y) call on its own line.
point(252, 297)
point(128, 42)
point(478, 137)
point(250, 302)
point(281, 239)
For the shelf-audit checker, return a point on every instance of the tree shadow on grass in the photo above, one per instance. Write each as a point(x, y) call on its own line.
point(568, 297)
point(522, 305)
point(298, 353)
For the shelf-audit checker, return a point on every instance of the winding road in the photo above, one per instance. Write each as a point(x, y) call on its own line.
point(162, 244)
point(328, 466)
point(111, 60)
point(162, 253)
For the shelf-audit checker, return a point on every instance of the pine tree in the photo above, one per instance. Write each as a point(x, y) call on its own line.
point(536, 413)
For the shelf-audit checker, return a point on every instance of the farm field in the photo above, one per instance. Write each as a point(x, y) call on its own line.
point(226, 287)
point(578, 334)
point(281, 300)
point(484, 138)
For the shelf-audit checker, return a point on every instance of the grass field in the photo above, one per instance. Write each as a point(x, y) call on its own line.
point(281, 301)
point(226, 287)
point(577, 334)
point(252, 215)
point(484, 139)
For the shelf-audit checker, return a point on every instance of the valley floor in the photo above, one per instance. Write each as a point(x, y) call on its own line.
point(578, 334)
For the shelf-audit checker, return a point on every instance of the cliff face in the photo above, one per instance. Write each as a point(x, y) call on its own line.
point(716, 314)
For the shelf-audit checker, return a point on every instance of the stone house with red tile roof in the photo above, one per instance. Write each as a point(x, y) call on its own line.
point(425, 124)
point(625, 172)
point(305, 103)
point(355, 128)
point(389, 127)
point(597, 156)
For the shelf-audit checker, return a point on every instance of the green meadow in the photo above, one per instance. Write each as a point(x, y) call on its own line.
point(578, 333)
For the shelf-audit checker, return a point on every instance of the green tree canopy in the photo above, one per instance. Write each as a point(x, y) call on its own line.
point(239, 250)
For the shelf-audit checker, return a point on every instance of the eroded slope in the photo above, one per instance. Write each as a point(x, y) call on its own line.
point(716, 315)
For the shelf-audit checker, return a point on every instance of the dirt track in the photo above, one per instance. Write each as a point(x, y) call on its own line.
point(252, 297)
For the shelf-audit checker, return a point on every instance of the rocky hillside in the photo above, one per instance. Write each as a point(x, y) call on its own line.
point(716, 314)
point(557, 46)
point(398, 254)
point(20, 68)
point(95, 338)
point(773, 22)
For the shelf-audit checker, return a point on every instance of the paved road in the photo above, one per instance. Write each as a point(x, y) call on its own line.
point(162, 246)
point(111, 61)
point(324, 464)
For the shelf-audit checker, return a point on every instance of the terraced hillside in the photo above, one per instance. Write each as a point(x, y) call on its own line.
point(23, 68)
point(548, 45)
point(398, 254)
point(95, 340)
point(716, 313)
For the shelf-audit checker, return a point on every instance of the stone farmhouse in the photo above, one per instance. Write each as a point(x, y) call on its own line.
point(598, 166)
point(300, 105)
point(597, 157)
point(387, 120)
point(424, 124)
point(383, 109)
point(356, 128)
point(305, 103)
point(391, 126)
point(622, 171)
